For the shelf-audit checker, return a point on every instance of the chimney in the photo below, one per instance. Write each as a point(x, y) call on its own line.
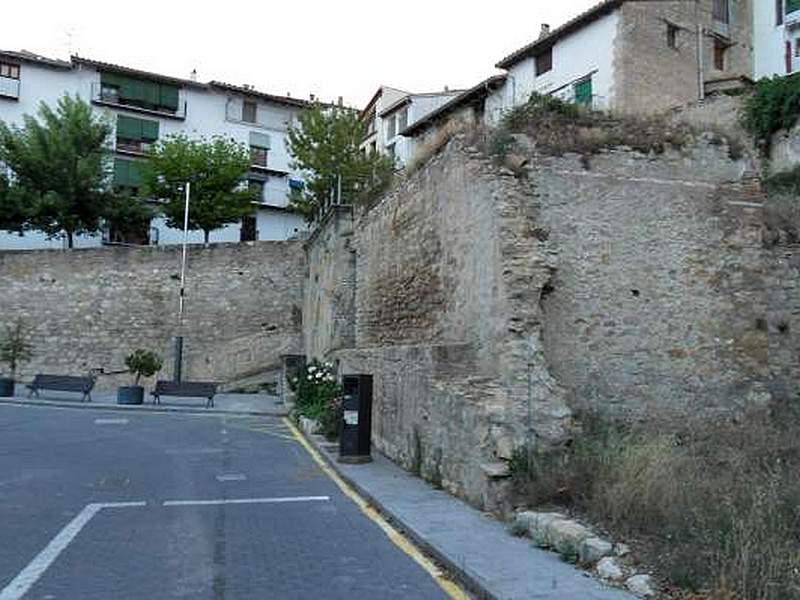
point(312, 97)
point(545, 30)
point(447, 88)
point(193, 75)
point(341, 101)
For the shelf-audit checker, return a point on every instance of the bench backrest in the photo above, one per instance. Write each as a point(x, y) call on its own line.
point(201, 389)
point(63, 383)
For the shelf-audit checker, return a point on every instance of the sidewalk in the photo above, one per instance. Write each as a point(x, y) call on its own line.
point(232, 404)
point(490, 562)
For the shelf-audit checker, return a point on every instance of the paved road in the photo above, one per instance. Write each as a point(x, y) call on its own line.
point(65, 534)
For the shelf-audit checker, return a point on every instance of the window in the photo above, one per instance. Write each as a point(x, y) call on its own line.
point(249, 109)
point(583, 93)
point(391, 150)
point(402, 120)
point(258, 156)
point(719, 55)
point(9, 70)
point(391, 128)
point(249, 232)
point(778, 13)
point(797, 47)
point(135, 135)
point(544, 62)
point(151, 95)
point(721, 11)
point(257, 187)
point(672, 36)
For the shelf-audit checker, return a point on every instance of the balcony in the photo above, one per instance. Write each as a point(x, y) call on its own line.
point(9, 88)
point(109, 96)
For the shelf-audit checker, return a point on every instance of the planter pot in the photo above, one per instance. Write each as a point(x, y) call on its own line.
point(6, 387)
point(132, 394)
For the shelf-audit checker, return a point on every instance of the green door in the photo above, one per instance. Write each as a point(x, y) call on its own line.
point(583, 93)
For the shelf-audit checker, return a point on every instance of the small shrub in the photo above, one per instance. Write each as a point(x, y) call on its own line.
point(143, 363)
point(774, 105)
point(319, 397)
point(15, 348)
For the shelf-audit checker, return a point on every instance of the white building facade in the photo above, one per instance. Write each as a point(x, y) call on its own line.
point(144, 108)
point(776, 37)
point(390, 112)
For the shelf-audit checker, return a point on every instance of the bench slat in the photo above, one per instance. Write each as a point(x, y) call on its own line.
point(62, 383)
point(201, 389)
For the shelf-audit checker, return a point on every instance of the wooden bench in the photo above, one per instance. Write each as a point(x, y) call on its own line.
point(191, 389)
point(62, 383)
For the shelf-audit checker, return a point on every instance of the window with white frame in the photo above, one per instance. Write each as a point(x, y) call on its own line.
point(9, 71)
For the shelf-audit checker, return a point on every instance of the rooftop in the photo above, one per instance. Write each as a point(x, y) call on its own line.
point(547, 41)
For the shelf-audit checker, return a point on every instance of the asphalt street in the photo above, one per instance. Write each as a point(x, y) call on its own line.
point(99, 505)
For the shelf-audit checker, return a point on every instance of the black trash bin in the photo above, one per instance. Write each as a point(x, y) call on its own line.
point(355, 439)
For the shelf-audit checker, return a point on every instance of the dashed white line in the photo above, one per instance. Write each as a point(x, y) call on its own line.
point(111, 421)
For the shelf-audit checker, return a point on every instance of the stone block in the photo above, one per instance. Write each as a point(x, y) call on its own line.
point(593, 549)
point(608, 568)
point(641, 586)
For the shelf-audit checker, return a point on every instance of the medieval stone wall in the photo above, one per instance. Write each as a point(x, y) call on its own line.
point(90, 308)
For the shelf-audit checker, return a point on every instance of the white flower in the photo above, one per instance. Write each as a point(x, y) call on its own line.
point(331, 378)
point(329, 365)
point(320, 375)
point(312, 368)
point(310, 378)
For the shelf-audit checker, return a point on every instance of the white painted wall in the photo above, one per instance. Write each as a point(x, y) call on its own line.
point(419, 106)
point(769, 39)
point(587, 51)
point(209, 112)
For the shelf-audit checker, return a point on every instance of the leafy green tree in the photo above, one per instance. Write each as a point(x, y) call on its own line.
point(13, 206)
point(15, 347)
point(216, 169)
point(60, 162)
point(325, 147)
point(129, 218)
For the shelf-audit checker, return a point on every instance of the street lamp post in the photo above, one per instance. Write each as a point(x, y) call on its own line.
point(177, 369)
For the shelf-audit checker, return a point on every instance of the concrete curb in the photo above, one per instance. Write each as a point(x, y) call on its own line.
point(148, 408)
point(472, 584)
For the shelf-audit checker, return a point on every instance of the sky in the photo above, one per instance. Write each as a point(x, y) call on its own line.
point(327, 48)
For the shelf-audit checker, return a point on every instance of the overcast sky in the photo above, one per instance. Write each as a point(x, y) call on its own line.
point(328, 48)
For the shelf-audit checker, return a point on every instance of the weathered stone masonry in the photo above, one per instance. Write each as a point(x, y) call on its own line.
point(489, 307)
point(90, 308)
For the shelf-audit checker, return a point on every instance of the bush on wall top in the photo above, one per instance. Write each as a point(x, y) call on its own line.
point(773, 106)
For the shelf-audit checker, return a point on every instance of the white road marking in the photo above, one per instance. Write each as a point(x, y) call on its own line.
point(244, 501)
point(232, 477)
point(23, 582)
point(111, 421)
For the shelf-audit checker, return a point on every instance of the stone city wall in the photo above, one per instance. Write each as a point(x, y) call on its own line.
point(90, 308)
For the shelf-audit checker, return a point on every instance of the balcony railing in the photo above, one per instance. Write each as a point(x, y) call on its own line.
point(9, 88)
point(109, 96)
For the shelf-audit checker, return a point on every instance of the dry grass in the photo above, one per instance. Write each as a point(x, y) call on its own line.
point(558, 128)
point(715, 508)
point(434, 144)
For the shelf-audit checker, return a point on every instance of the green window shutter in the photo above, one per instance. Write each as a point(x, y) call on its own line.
point(792, 5)
point(168, 96)
point(126, 173)
point(259, 140)
point(149, 131)
point(583, 92)
point(150, 93)
point(129, 128)
point(134, 174)
point(121, 172)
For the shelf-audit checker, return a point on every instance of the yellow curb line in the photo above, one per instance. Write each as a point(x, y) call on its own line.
point(398, 539)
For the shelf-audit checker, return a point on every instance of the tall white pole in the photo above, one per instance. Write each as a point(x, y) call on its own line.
point(178, 366)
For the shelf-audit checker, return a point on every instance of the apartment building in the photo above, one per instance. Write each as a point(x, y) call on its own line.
point(145, 107)
point(776, 34)
point(390, 112)
point(636, 55)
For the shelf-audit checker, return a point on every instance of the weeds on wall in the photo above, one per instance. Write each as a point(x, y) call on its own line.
point(559, 127)
point(319, 397)
point(715, 507)
point(774, 105)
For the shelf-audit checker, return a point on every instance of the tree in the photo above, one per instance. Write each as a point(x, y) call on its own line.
point(216, 169)
point(325, 147)
point(15, 347)
point(13, 206)
point(60, 164)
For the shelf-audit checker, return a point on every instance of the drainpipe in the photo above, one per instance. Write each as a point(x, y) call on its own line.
point(701, 88)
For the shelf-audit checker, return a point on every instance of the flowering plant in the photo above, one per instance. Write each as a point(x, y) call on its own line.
point(319, 396)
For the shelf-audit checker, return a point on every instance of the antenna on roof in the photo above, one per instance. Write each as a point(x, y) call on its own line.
point(545, 30)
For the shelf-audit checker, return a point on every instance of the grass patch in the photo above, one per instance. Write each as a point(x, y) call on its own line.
point(715, 507)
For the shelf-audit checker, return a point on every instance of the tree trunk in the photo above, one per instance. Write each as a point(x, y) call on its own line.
point(70, 241)
point(207, 235)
